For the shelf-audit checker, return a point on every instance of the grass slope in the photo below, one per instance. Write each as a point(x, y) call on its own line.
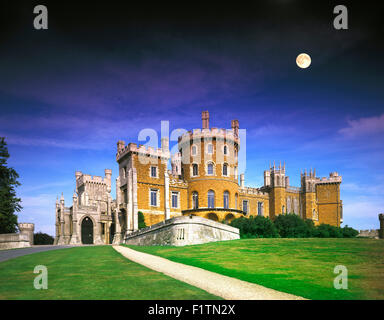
point(90, 273)
point(299, 266)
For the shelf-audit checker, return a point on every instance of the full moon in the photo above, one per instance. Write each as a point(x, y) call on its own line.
point(303, 60)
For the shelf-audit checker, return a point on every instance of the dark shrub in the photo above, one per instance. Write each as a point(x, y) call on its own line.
point(349, 232)
point(291, 226)
point(42, 238)
point(255, 227)
point(328, 231)
point(311, 227)
point(141, 221)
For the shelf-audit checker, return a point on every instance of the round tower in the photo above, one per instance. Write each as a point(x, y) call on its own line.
point(27, 229)
point(209, 163)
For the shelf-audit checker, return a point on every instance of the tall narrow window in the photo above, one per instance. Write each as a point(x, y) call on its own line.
point(283, 209)
point(211, 199)
point(154, 172)
point(226, 200)
point(236, 199)
point(210, 169)
point(195, 200)
point(225, 150)
point(175, 199)
point(194, 150)
point(153, 197)
point(245, 206)
point(210, 149)
point(195, 170)
point(225, 169)
point(259, 208)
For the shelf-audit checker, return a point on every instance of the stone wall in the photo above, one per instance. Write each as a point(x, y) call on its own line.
point(181, 231)
point(14, 240)
point(372, 233)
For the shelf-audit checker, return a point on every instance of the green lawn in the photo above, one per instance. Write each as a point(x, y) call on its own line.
point(90, 273)
point(299, 266)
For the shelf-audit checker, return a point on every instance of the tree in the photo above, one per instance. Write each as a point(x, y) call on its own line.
point(9, 203)
point(255, 227)
point(292, 226)
point(42, 238)
point(349, 232)
point(141, 220)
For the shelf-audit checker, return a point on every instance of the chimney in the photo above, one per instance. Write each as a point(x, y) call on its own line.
point(205, 118)
point(235, 127)
point(242, 180)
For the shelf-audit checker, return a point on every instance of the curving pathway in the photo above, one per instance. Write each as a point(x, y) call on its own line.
point(214, 283)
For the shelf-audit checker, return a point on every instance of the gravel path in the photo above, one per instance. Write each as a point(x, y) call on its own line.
point(214, 283)
point(14, 253)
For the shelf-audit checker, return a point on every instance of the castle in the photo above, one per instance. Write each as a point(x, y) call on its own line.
point(203, 181)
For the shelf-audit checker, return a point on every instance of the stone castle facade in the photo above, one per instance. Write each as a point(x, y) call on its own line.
point(203, 181)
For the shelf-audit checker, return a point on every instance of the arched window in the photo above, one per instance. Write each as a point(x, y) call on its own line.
point(283, 210)
point(289, 205)
point(195, 170)
point(194, 150)
point(195, 200)
point(314, 215)
point(225, 150)
point(225, 169)
point(210, 168)
point(211, 199)
point(236, 199)
point(226, 200)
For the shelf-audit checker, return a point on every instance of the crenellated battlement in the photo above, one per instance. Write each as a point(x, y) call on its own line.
point(141, 150)
point(250, 190)
point(196, 134)
point(87, 178)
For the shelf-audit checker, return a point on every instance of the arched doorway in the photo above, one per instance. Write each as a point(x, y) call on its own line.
point(87, 231)
point(229, 217)
point(212, 216)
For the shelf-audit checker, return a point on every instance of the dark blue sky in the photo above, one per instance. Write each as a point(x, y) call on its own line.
point(100, 74)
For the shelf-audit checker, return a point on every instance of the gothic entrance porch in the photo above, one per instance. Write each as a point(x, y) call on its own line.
point(87, 231)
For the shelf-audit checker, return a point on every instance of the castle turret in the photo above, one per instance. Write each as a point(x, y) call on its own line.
point(27, 229)
point(381, 230)
point(242, 184)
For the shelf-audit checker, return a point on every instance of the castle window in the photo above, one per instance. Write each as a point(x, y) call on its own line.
point(225, 169)
point(195, 170)
point(175, 199)
point(211, 199)
point(314, 215)
point(210, 169)
point(154, 172)
point(235, 172)
point(225, 150)
point(210, 148)
point(194, 150)
point(195, 200)
point(226, 200)
point(283, 210)
point(259, 208)
point(236, 199)
point(245, 206)
point(153, 197)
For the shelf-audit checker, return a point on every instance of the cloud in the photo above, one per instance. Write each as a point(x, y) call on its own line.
point(363, 126)
point(40, 210)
